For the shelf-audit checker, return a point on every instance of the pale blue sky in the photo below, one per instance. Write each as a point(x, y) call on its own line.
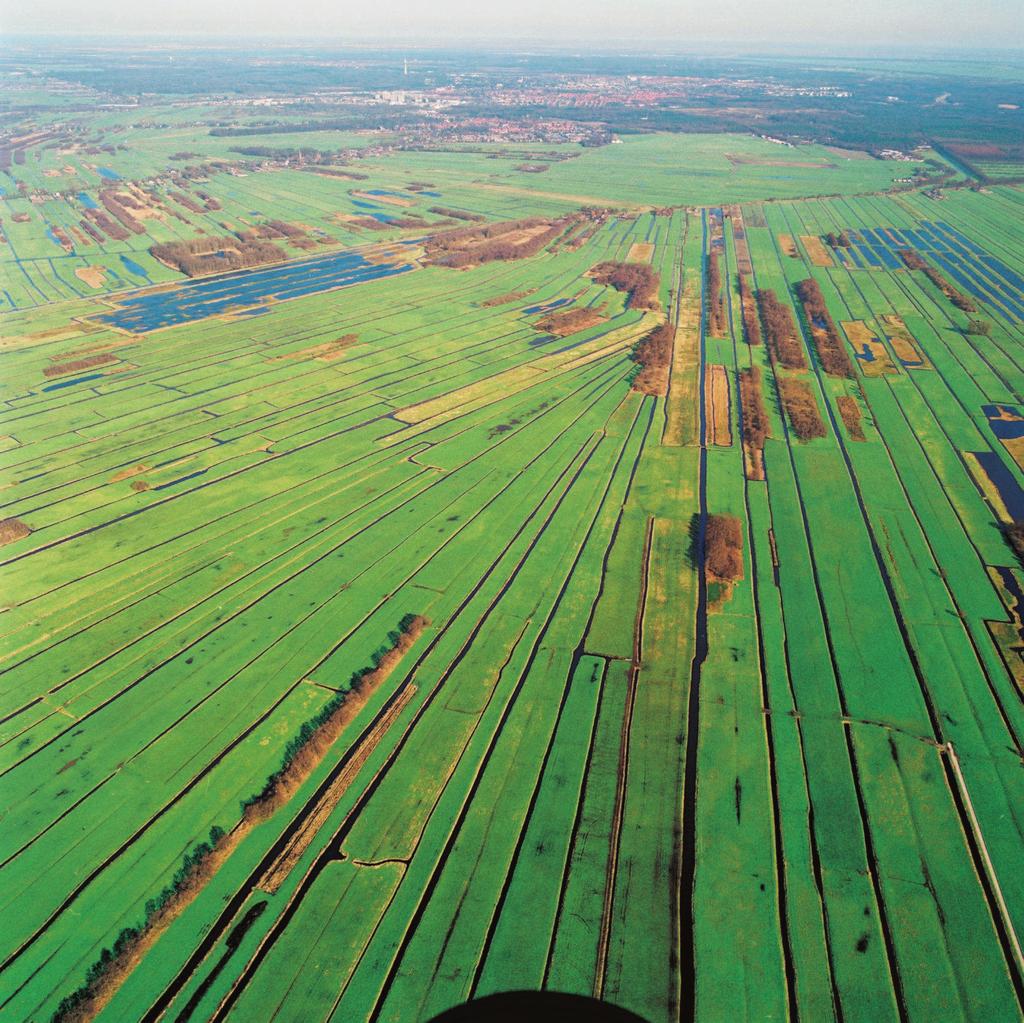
point(608, 23)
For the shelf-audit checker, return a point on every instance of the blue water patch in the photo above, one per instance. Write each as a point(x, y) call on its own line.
point(868, 255)
point(1004, 429)
point(363, 204)
point(53, 238)
point(1003, 480)
point(88, 201)
point(70, 383)
point(133, 268)
point(384, 218)
point(384, 191)
point(866, 355)
point(546, 307)
point(242, 289)
point(433, 195)
point(541, 340)
point(106, 172)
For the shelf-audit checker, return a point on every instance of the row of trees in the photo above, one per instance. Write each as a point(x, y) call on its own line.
point(213, 255)
point(108, 224)
point(756, 426)
point(915, 261)
point(654, 356)
point(831, 350)
point(637, 279)
point(475, 245)
point(801, 407)
point(114, 207)
point(780, 330)
point(849, 410)
point(713, 294)
point(303, 752)
point(748, 304)
point(569, 321)
point(447, 211)
point(723, 547)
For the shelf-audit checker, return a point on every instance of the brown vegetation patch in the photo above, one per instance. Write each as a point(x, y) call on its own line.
point(756, 425)
point(327, 351)
point(915, 261)
point(512, 239)
point(723, 548)
point(713, 297)
point(77, 365)
point(654, 356)
point(448, 211)
point(817, 250)
point(903, 343)
point(125, 474)
point(849, 411)
point(510, 296)
point(301, 838)
point(781, 330)
point(12, 529)
point(202, 256)
point(390, 200)
point(93, 276)
point(716, 406)
point(638, 280)
point(748, 308)
point(640, 252)
point(864, 339)
point(569, 321)
point(788, 246)
point(829, 345)
point(800, 405)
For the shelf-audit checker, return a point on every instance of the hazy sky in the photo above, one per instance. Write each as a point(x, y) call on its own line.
point(835, 23)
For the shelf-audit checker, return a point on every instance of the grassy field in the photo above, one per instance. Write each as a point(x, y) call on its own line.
point(600, 768)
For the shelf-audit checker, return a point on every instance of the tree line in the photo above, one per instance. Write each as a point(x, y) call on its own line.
point(800, 405)
point(653, 355)
point(638, 280)
point(915, 261)
point(781, 331)
point(829, 345)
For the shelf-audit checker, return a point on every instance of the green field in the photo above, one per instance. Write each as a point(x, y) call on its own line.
point(598, 770)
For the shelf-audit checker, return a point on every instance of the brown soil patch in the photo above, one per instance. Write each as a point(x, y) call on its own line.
point(390, 200)
point(863, 338)
point(817, 250)
point(849, 154)
point(511, 296)
point(788, 246)
point(640, 252)
point(757, 161)
point(127, 474)
point(716, 406)
point(91, 275)
point(326, 352)
point(903, 343)
point(11, 530)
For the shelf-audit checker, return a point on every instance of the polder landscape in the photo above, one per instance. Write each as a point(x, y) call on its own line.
point(475, 524)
